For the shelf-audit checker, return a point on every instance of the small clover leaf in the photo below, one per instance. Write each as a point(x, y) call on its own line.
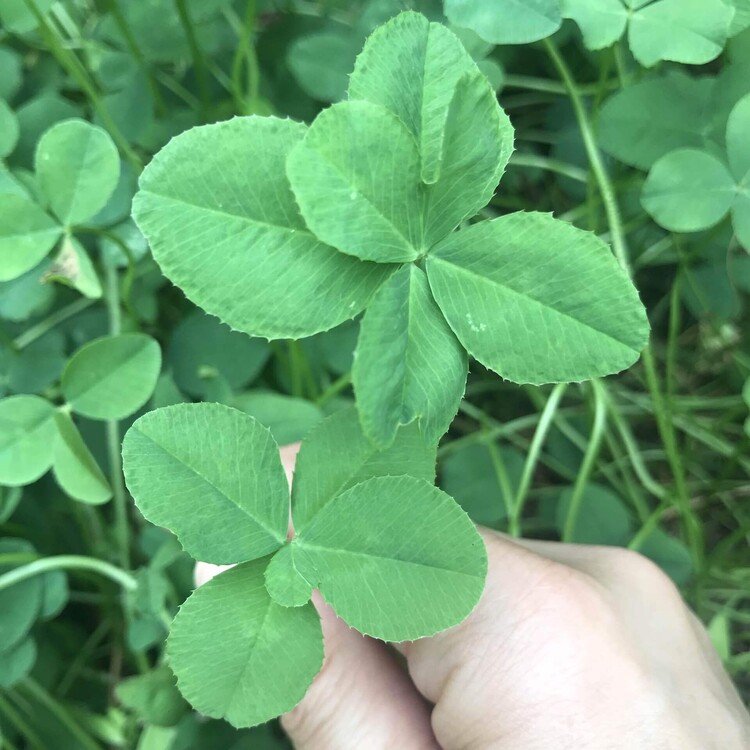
point(507, 21)
point(685, 31)
point(27, 437)
point(78, 167)
point(394, 556)
point(689, 190)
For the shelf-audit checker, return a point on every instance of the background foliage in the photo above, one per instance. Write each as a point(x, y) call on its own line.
point(631, 120)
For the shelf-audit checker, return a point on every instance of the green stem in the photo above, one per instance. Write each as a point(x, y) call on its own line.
point(532, 458)
point(7, 710)
point(614, 219)
point(120, 501)
point(199, 62)
point(589, 458)
point(75, 69)
point(595, 157)
point(68, 562)
point(83, 739)
point(30, 335)
point(334, 389)
point(551, 165)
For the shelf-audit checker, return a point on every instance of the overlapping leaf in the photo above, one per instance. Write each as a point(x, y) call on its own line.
point(223, 189)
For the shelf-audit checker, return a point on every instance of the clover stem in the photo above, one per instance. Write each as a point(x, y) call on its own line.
point(589, 459)
point(76, 70)
point(68, 562)
point(532, 459)
point(121, 522)
point(30, 335)
point(661, 408)
point(199, 62)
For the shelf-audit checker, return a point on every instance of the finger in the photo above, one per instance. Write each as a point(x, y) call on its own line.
point(478, 674)
point(362, 698)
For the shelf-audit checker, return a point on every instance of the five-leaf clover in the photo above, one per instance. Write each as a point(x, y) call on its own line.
point(283, 231)
point(689, 190)
point(395, 557)
point(686, 31)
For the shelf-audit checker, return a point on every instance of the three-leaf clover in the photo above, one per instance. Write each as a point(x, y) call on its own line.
point(77, 168)
point(685, 31)
point(690, 189)
point(395, 557)
point(283, 231)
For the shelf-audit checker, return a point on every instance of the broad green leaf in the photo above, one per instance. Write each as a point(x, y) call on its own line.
point(688, 190)
point(408, 364)
point(213, 476)
point(477, 146)
point(9, 129)
point(602, 22)
point(336, 455)
point(112, 377)
point(73, 267)
point(10, 497)
point(36, 366)
point(356, 178)
point(203, 348)
point(223, 225)
point(602, 517)
point(288, 418)
point(16, 662)
point(27, 234)
point(27, 435)
point(321, 62)
point(397, 558)
point(411, 67)
point(35, 116)
point(506, 21)
point(741, 217)
point(20, 603)
point(684, 31)
point(78, 167)
point(75, 469)
point(643, 122)
point(153, 696)
point(284, 583)
point(537, 300)
point(483, 479)
point(25, 296)
point(240, 656)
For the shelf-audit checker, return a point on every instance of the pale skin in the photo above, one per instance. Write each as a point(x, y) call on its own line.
point(571, 647)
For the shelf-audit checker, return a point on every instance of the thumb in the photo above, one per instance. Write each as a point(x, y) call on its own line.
point(361, 698)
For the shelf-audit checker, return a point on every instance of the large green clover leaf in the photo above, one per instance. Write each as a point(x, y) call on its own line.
point(689, 190)
point(685, 31)
point(220, 191)
point(394, 556)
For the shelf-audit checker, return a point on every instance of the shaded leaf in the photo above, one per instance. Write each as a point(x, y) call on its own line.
point(112, 377)
point(154, 697)
point(78, 167)
point(27, 436)
point(16, 662)
point(27, 234)
point(336, 455)
point(284, 583)
point(75, 469)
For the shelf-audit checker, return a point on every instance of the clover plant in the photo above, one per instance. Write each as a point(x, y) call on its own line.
point(358, 212)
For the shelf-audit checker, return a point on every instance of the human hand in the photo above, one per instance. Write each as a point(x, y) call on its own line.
point(570, 647)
